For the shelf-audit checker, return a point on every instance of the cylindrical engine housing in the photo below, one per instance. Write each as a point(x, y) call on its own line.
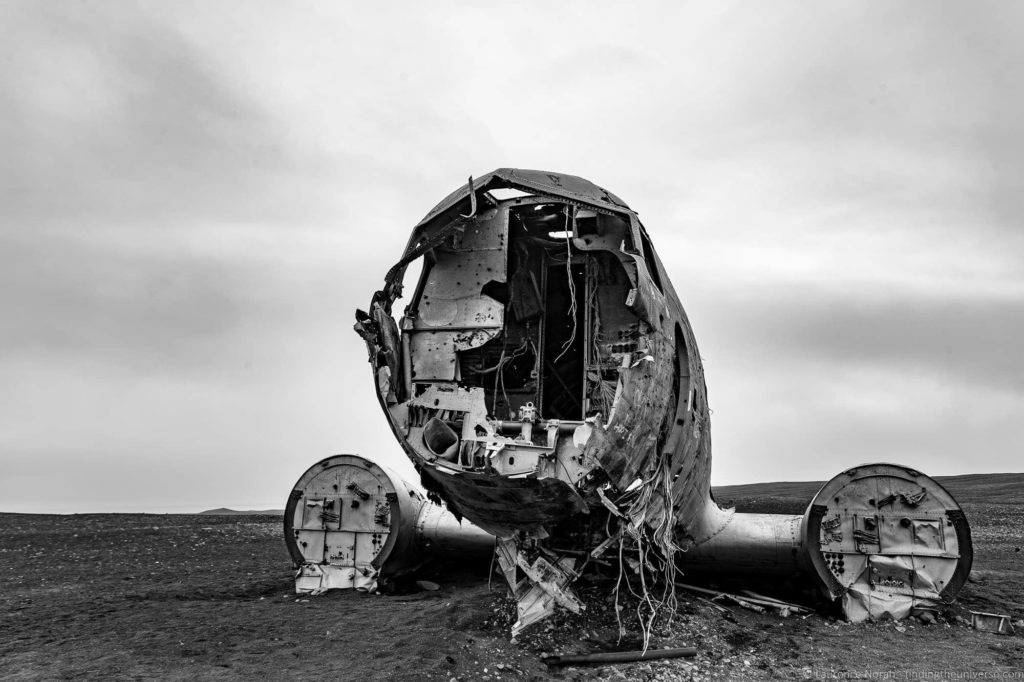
point(883, 538)
point(350, 523)
point(751, 543)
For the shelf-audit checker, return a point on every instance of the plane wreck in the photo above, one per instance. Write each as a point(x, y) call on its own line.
point(545, 381)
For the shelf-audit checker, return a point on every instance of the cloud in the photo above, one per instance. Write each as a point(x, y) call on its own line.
point(970, 344)
point(196, 197)
point(807, 420)
point(125, 123)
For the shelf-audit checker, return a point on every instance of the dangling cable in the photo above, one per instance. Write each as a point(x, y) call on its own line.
point(572, 296)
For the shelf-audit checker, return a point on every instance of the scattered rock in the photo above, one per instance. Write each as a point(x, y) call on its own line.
point(427, 585)
point(615, 675)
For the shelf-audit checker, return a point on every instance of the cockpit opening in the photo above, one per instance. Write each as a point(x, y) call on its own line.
point(524, 314)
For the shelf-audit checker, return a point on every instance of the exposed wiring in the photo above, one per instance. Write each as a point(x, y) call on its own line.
point(572, 297)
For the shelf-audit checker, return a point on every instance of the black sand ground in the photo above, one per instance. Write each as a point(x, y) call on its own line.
point(190, 597)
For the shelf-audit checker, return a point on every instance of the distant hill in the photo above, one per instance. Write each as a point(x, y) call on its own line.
point(1001, 488)
point(970, 488)
point(223, 511)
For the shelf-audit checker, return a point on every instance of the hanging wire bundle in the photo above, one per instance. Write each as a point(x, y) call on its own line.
point(572, 297)
point(655, 550)
point(499, 375)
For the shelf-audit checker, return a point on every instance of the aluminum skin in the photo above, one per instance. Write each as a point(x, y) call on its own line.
point(545, 381)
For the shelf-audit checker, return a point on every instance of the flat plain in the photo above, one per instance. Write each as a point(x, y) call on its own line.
point(195, 597)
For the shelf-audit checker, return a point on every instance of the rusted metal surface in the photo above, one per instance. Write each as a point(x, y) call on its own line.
point(546, 383)
point(503, 506)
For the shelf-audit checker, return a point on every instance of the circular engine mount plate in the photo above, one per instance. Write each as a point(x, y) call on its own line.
point(887, 540)
point(342, 521)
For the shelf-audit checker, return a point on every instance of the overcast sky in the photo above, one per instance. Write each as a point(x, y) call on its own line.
point(194, 198)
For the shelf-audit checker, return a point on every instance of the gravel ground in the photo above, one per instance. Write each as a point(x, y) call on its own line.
point(189, 597)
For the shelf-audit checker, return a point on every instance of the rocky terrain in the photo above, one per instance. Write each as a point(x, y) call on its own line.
point(187, 597)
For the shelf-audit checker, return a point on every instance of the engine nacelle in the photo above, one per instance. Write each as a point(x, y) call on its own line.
point(883, 538)
point(351, 523)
